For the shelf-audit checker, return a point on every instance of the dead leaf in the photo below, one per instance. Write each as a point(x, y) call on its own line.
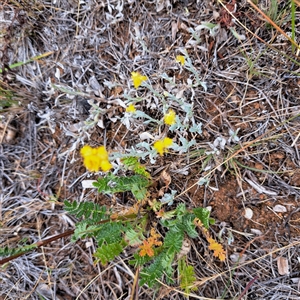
point(259, 188)
point(256, 231)
point(165, 180)
point(283, 266)
point(184, 27)
point(185, 249)
point(146, 136)
point(88, 184)
point(174, 30)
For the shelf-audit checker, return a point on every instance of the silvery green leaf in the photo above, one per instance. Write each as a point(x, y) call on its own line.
point(169, 79)
point(146, 136)
point(233, 136)
point(240, 37)
point(126, 120)
point(178, 125)
point(168, 198)
point(144, 145)
point(185, 145)
point(196, 128)
point(213, 28)
point(203, 84)
point(141, 114)
point(206, 25)
point(230, 238)
point(152, 156)
point(187, 107)
point(219, 142)
point(130, 99)
point(203, 181)
point(109, 84)
point(195, 35)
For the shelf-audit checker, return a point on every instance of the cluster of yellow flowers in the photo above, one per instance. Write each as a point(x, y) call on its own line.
point(95, 159)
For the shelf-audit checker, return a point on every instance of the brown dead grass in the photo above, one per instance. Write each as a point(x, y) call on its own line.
point(98, 43)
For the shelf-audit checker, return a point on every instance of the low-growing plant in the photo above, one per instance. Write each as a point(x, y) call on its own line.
point(154, 253)
point(157, 247)
point(155, 228)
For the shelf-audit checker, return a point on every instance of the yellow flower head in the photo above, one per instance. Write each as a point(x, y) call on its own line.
point(180, 59)
point(138, 79)
point(95, 159)
point(170, 117)
point(161, 145)
point(130, 108)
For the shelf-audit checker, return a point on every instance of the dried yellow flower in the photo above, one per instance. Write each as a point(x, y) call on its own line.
point(149, 243)
point(217, 248)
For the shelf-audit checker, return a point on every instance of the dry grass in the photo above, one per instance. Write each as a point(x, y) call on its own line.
point(253, 84)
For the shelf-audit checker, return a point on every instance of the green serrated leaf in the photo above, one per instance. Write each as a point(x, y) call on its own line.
point(212, 221)
point(189, 226)
point(106, 253)
point(134, 238)
point(132, 163)
point(155, 271)
point(109, 233)
point(173, 240)
point(6, 251)
point(140, 260)
point(111, 184)
point(203, 215)
point(87, 210)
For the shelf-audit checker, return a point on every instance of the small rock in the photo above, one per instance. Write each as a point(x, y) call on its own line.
point(279, 208)
point(248, 213)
